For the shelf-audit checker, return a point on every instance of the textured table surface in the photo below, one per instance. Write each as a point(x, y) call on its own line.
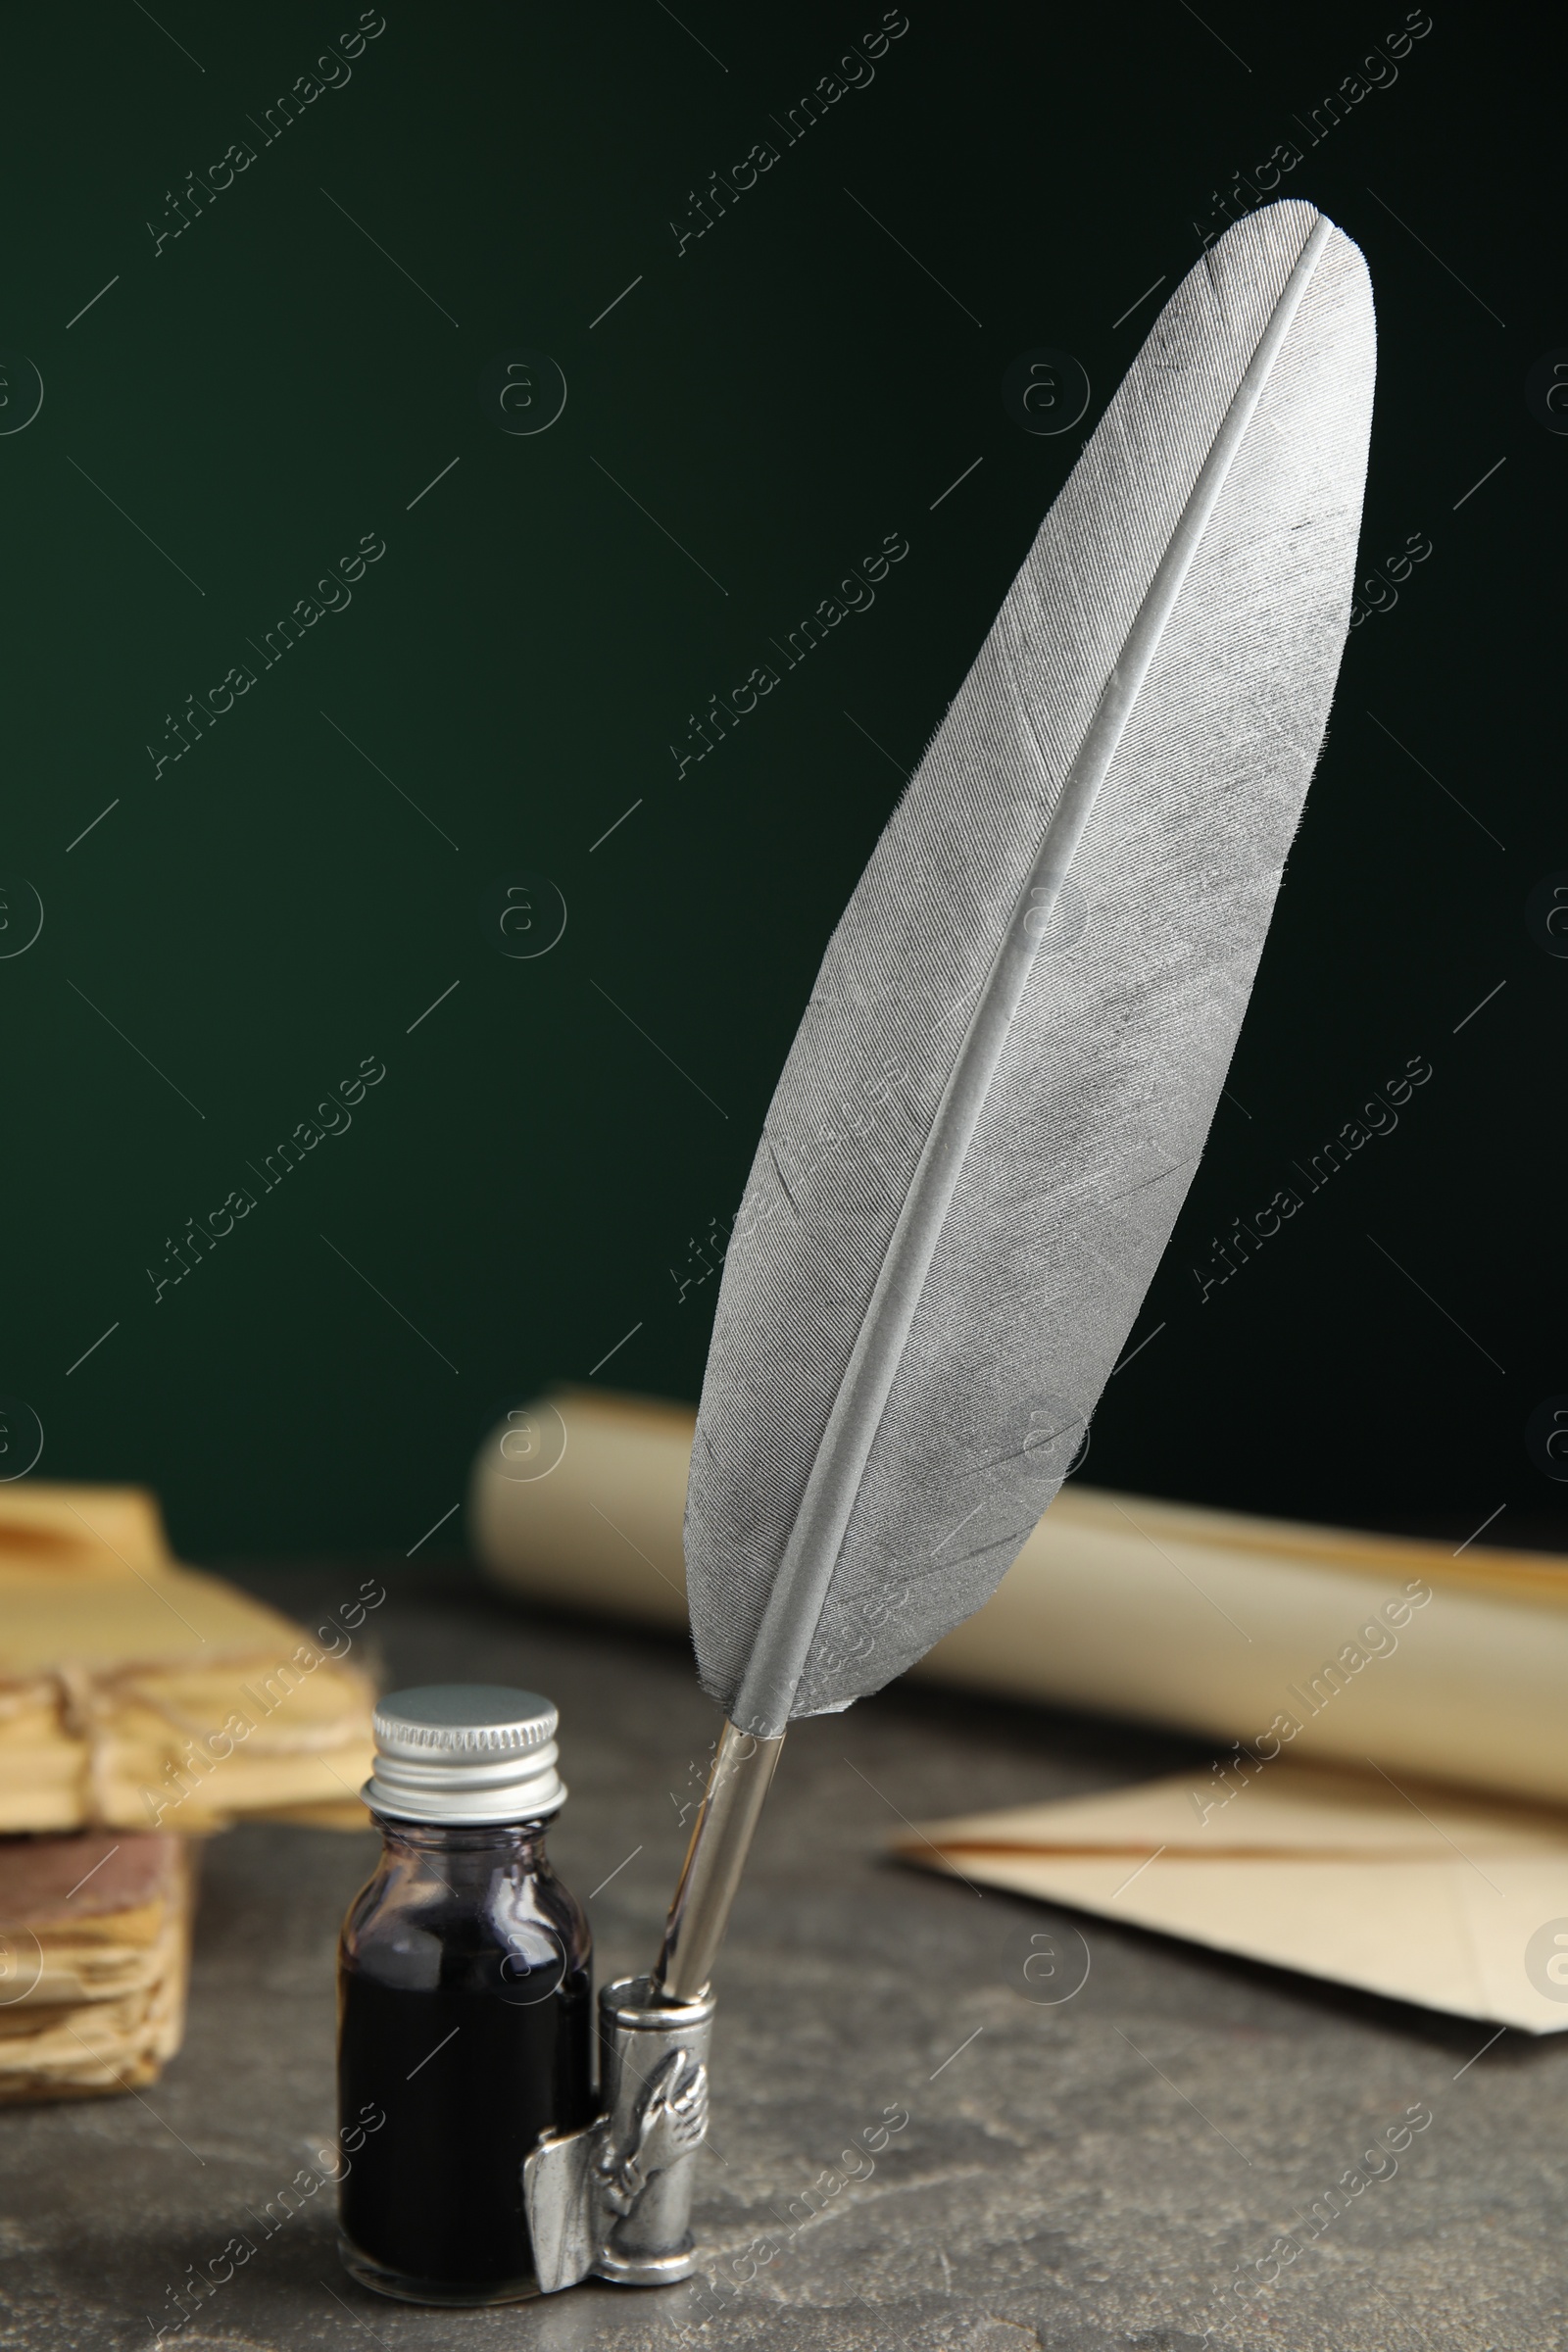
point(1079, 2172)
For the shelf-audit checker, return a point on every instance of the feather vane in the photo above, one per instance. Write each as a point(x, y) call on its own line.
point(1004, 1080)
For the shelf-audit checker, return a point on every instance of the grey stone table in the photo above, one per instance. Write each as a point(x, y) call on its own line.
point(1085, 2173)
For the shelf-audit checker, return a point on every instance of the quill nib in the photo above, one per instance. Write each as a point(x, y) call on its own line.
point(615, 2199)
point(743, 1767)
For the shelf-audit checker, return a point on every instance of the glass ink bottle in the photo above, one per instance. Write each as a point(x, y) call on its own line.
point(465, 2017)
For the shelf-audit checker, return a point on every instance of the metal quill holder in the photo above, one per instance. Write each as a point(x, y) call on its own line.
point(950, 1225)
point(614, 2200)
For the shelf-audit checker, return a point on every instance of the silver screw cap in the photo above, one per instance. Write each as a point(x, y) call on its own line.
point(467, 1754)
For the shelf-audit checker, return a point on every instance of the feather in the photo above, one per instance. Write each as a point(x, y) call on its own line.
point(1004, 1080)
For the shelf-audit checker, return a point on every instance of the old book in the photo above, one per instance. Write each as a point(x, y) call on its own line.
point(94, 1953)
point(138, 1693)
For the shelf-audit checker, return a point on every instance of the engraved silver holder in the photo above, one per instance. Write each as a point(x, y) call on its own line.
point(614, 2200)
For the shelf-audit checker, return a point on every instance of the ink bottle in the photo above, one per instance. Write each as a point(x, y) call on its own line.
point(465, 2017)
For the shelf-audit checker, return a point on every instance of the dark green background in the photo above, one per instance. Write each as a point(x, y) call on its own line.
point(780, 396)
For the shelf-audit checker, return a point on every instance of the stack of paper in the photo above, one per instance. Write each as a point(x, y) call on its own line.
point(94, 1946)
point(140, 1694)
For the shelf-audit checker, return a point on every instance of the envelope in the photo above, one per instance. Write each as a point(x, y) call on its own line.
point(1400, 1889)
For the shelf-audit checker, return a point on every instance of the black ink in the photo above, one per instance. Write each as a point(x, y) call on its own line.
point(464, 2014)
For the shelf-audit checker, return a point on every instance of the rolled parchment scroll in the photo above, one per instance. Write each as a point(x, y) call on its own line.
point(1238, 1628)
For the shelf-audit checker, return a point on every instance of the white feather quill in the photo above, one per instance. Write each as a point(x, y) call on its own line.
point(987, 1124)
point(1003, 1081)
